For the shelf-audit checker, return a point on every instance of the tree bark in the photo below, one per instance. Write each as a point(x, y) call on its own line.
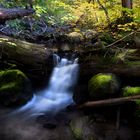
point(8, 14)
point(127, 4)
point(127, 16)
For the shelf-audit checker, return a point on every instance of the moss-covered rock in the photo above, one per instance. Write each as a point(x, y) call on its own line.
point(75, 37)
point(15, 87)
point(91, 34)
point(102, 85)
point(128, 91)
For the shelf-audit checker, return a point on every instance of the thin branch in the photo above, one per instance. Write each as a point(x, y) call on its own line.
point(120, 39)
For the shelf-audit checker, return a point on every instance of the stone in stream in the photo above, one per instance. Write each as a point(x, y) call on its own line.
point(15, 88)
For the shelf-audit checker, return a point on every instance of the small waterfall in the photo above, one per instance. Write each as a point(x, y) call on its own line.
point(58, 95)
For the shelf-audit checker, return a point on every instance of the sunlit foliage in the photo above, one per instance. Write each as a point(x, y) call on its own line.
point(83, 13)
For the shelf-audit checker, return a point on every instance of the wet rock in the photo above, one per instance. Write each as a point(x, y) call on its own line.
point(75, 37)
point(15, 88)
point(102, 85)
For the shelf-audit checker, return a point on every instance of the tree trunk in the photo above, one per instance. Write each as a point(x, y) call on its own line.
point(127, 16)
point(127, 4)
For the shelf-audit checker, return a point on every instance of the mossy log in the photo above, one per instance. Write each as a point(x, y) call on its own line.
point(124, 63)
point(7, 14)
point(36, 56)
point(128, 70)
point(22, 53)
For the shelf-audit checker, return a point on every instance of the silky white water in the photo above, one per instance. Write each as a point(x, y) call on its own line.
point(58, 95)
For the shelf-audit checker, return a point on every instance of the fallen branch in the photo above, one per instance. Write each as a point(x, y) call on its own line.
point(120, 39)
point(108, 102)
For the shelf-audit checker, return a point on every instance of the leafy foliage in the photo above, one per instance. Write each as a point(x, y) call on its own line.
point(80, 14)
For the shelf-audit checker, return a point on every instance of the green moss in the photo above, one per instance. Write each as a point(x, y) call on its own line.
point(137, 101)
point(129, 91)
point(7, 86)
point(14, 85)
point(77, 133)
point(132, 63)
point(102, 84)
point(77, 129)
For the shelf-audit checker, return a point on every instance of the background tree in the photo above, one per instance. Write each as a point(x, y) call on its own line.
point(127, 4)
point(127, 10)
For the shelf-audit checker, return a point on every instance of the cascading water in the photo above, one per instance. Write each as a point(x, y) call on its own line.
point(59, 92)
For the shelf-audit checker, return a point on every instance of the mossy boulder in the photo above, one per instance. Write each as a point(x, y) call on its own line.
point(102, 85)
point(130, 91)
point(15, 87)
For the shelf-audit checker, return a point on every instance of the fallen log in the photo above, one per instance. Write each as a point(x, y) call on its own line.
point(126, 70)
point(35, 56)
point(125, 63)
point(30, 55)
point(8, 14)
point(108, 102)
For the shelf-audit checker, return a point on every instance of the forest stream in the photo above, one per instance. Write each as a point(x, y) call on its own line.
point(51, 114)
point(69, 70)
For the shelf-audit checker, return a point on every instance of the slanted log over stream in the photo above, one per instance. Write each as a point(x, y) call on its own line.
point(8, 14)
point(108, 102)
